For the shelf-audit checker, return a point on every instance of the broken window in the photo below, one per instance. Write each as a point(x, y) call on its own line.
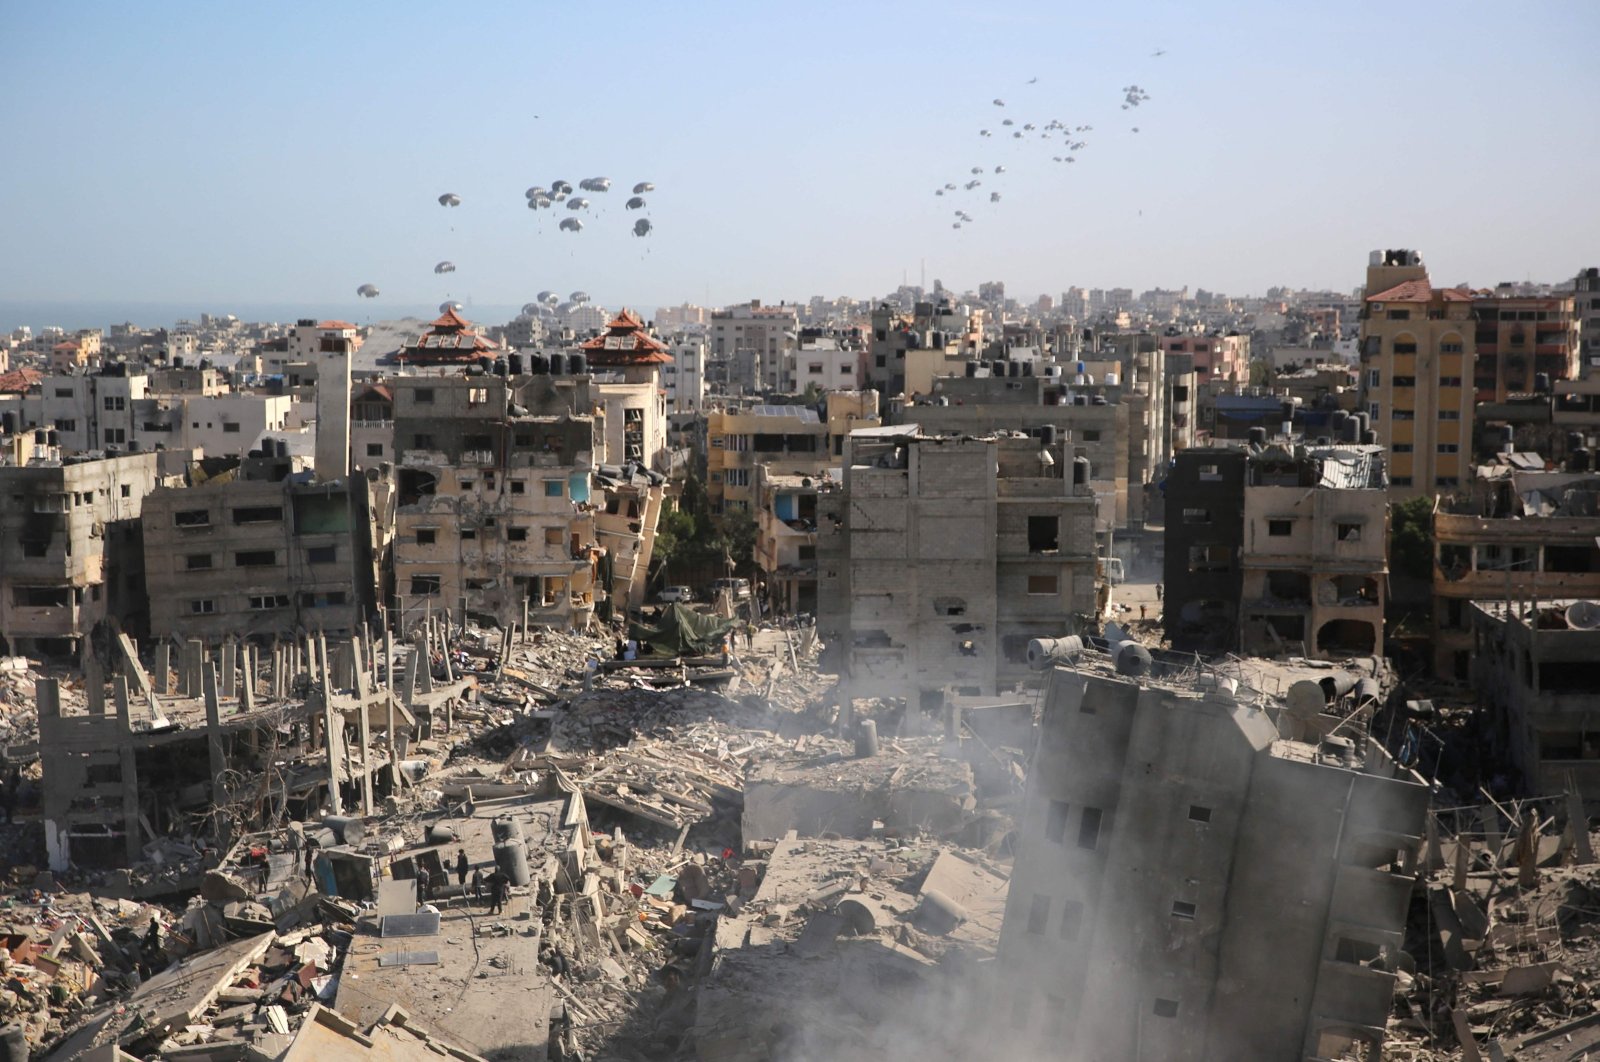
point(35, 547)
point(1043, 584)
point(255, 558)
point(41, 596)
point(1071, 919)
point(1183, 909)
point(1280, 528)
point(426, 536)
point(423, 394)
point(196, 562)
point(516, 534)
point(263, 602)
point(1210, 558)
point(1044, 534)
point(1089, 828)
point(422, 441)
point(1055, 824)
point(1347, 532)
point(1166, 1008)
point(519, 486)
point(258, 514)
point(1199, 813)
point(554, 488)
point(192, 518)
point(424, 585)
point(1197, 516)
point(1210, 473)
point(1039, 914)
point(322, 555)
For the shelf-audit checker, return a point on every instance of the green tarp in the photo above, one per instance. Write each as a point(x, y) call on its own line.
point(681, 631)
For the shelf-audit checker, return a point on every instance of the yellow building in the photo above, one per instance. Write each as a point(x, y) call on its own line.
point(792, 439)
point(1417, 349)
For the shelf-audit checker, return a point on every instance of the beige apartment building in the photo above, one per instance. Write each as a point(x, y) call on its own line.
point(1417, 349)
point(792, 439)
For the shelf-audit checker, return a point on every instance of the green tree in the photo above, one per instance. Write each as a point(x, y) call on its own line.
point(1411, 538)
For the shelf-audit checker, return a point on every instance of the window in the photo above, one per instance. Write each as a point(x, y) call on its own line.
point(1347, 532)
point(115, 403)
point(192, 518)
point(1405, 381)
point(519, 486)
point(255, 558)
point(114, 436)
point(1044, 534)
point(1373, 376)
point(1071, 919)
point(1449, 448)
point(737, 477)
point(1449, 414)
point(258, 514)
point(426, 536)
point(423, 395)
point(1399, 481)
point(1183, 909)
point(1166, 1008)
point(1399, 315)
point(197, 562)
point(1405, 414)
point(1055, 823)
point(203, 607)
point(66, 392)
point(1402, 448)
point(1450, 348)
point(263, 602)
point(1280, 528)
point(1089, 828)
point(1447, 481)
point(552, 536)
point(1043, 584)
point(477, 396)
point(313, 600)
point(230, 427)
point(374, 449)
point(1197, 516)
point(469, 534)
point(127, 491)
point(554, 488)
point(516, 534)
point(1199, 813)
point(66, 425)
point(1091, 435)
point(424, 585)
point(1449, 381)
point(1210, 473)
point(422, 441)
point(1372, 410)
point(1039, 914)
point(322, 554)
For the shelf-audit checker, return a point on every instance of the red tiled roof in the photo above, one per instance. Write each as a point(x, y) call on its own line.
point(625, 342)
point(335, 324)
point(451, 319)
point(65, 345)
point(17, 381)
point(1420, 290)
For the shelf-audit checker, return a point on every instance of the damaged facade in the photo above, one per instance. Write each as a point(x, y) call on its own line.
point(942, 557)
point(1188, 885)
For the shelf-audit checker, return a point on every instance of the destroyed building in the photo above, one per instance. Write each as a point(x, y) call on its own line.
point(1512, 534)
point(72, 552)
point(1189, 885)
point(786, 537)
point(1314, 559)
point(494, 505)
point(258, 548)
point(791, 440)
point(1204, 542)
point(1533, 664)
point(942, 557)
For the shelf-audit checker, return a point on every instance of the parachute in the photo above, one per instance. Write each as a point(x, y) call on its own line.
point(636, 203)
point(571, 225)
point(445, 267)
point(449, 199)
point(642, 187)
point(642, 227)
point(367, 291)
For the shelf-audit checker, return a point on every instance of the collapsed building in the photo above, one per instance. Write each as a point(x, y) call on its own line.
point(942, 557)
point(1168, 833)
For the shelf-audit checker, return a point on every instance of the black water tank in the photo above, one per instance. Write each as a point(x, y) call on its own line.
point(486, 364)
point(1258, 436)
point(516, 364)
point(558, 365)
point(177, 361)
point(1541, 383)
point(1574, 440)
point(1015, 370)
point(1578, 460)
point(1336, 422)
point(578, 364)
point(972, 369)
point(1047, 435)
point(538, 365)
point(1369, 438)
point(1081, 472)
point(1027, 368)
point(500, 366)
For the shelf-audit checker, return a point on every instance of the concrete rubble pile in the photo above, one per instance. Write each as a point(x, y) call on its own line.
point(1504, 954)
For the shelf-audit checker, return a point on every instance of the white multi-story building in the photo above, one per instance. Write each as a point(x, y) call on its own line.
point(685, 379)
point(828, 365)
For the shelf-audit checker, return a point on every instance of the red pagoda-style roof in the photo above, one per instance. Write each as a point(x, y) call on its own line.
point(1420, 291)
point(625, 342)
point(449, 340)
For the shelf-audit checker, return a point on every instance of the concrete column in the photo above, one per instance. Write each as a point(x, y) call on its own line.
point(119, 696)
point(47, 698)
point(424, 666)
point(388, 657)
point(219, 761)
point(94, 685)
point(194, 667)
point(163, 675)
point(333, 743)
point(230, 668)
point(366, 729)
point(358, 664)
point(405, 686)
point(247, 688)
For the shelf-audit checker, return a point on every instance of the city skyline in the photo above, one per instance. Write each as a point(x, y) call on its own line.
point(288, 160)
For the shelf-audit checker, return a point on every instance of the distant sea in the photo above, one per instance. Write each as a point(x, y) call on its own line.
point(101, 315)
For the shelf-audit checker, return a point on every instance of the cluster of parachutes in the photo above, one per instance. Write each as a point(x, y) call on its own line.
point(1132, 96)
point(542, 198)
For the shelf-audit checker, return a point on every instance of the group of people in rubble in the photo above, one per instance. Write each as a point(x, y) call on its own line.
point(493, 888)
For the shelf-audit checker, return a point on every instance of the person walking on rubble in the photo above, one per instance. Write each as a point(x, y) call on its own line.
point(477, 886)
point(461, 866)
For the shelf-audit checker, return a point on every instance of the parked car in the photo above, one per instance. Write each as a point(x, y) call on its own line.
point(738, 588)
point(681, 595)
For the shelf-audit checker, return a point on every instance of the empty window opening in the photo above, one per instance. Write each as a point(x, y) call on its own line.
point(1071, 919)
point(255, 558)
point(1166, 1008)
point(516, 534)
point(1055, 823)
point(1197, 516)
point(192, 518)
point(1042, 584)
point(1198, 813)
point(424, 585)
point(949, 606)
point(1039, 914)
point(1183, 909)
point(258, 514)
point(426, 536)
point(322, 554)
point(1280, 528)
point(1089, 828)
point(1044, 534)
point(195, 562)
point(1348, 532)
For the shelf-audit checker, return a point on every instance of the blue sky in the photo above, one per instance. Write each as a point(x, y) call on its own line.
point(289, 152)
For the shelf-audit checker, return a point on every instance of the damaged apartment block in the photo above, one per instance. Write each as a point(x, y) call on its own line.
point(943, 557)
point(1190, 885)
